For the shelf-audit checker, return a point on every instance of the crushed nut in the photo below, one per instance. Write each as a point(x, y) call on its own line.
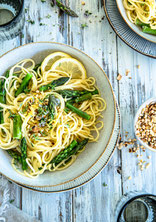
point(119, 77)
point(138, 66)
point(83, 3)
point(129, 178)
point(149, 157)
point(127, 72)
point(147, 165)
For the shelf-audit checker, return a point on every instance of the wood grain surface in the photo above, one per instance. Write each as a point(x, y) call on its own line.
point(93, 202)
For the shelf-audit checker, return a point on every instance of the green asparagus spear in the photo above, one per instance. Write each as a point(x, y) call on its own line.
point(139, 23)
point(51, 105)
point(37, 66)
point(1, 117)
point(77, 111)
point(17, 125)
point(83, 98)
point(3, 95)
point(64, 154)
point(79, 146)
point(148, 30)
point(14, 155)
point(64, 8)
point(58, 82)
point(24, 84)
point(76, 93)
point(24, 153)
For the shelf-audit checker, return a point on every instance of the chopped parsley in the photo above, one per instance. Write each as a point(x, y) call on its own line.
point(87, 13)
point(48, 16)
point(31, 21)
point(36, 137)
point(41, 24)
point(11, 201)
point(84, 25)
point(104, 184)
point(26, 10)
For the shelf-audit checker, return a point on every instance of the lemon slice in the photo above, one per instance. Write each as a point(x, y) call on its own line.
point(52, 58)
point(71, 66)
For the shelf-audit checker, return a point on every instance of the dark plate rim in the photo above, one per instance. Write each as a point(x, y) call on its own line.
point(105, 9)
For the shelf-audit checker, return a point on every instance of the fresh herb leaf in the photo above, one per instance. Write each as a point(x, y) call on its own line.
point(87, 13)
point(31, 21)
point(104, 184)
point(42, 24)
point(36, 137)
point(84, 25)
point(48, 16)
point(43, 1)
point(11, 201)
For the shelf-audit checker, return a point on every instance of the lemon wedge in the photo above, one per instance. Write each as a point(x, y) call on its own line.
point(71, 66)
point(52, 58)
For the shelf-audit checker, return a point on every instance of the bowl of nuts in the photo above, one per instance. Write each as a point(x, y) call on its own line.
point(145, 124)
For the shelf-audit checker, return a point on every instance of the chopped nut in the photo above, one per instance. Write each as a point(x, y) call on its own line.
point(147, 165)
point(119, 77)
point(138, 66)
point(120, 146)
point(127, 72)
point(83, 3)
point(129, 178)
point(149, 157)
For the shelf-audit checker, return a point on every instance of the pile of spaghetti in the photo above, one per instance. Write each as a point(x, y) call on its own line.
point(142, 13)
point(48, 113)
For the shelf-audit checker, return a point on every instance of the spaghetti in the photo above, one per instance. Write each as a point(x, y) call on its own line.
point(47, 117)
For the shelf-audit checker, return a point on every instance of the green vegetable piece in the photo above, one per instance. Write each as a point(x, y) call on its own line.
point(24, 153)
point(14, 155)
point(78, 111)
point(76, 93)
point(64, 8)
point(51, 105)
point(3, 95)
point(79, 146)
point(58, 82)
point(1, 117)
point(148, 30)
point(64, 154)
point(139, 23)
point(83, 98)
point(24, 84)
point(17, 125)
point(37, 66)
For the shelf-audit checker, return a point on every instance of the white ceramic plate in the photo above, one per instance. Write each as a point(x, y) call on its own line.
point(93, 151)
point(134, 27)
point(93, 171)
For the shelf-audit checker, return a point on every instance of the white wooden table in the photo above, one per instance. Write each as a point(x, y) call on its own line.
point(93, 202)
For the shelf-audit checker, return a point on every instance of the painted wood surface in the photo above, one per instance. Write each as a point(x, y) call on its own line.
point(93, 202)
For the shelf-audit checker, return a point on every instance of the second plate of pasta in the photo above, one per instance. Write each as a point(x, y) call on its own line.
point(140, 16)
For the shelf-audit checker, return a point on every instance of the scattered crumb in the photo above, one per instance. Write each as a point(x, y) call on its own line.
point(119, 77)
point(147, 165)
point(127, 72)
point(129, 178)
point(138, 66)
point(149, 157)
point(83, 3)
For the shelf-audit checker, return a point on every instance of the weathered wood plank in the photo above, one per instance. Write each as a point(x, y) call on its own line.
point(133, 92)
point(93, 201)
